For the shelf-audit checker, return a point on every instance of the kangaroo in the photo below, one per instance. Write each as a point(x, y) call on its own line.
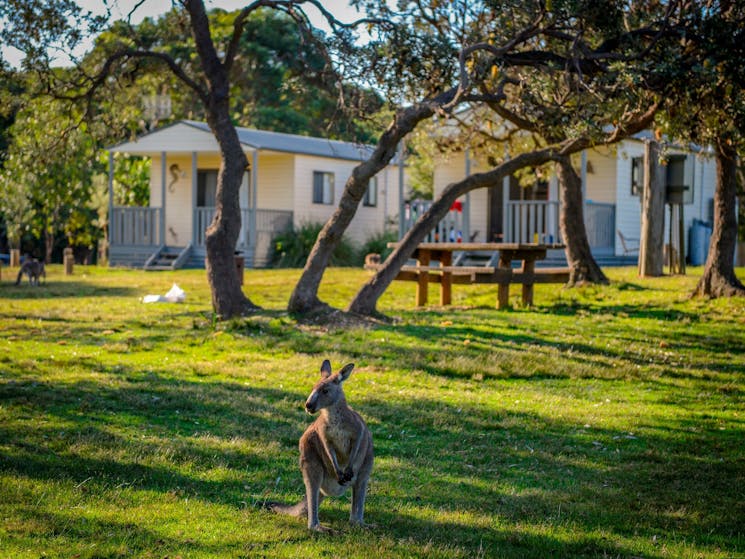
point(34, 269)
point(336, 451)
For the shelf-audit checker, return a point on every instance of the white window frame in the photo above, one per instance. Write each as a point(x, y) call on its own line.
point(323, 191)
point(371, 194)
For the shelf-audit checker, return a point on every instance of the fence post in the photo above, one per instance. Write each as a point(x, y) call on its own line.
point(68, 260)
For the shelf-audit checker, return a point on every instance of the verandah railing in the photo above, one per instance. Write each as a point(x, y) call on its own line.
point(531, 221)
point(267, 221)
point(135, 226)
point(525, 221)
point(451, 228)
point(268, 224)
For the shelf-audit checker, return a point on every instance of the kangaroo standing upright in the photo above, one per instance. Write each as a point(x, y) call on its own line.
point(336, 450)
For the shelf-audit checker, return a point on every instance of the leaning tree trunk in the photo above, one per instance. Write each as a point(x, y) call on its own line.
point(719, 278)
point(304, 297)
point(228, 299)
point(582, 265)
point(366, 300)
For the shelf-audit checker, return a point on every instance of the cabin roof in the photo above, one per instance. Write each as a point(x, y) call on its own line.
point(188, 135)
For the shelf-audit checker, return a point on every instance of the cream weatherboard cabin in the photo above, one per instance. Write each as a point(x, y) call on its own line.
point(612, 179)
point(291, 180)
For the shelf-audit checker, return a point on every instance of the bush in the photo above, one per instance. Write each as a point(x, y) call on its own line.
point(292, 247)
point(378, 244)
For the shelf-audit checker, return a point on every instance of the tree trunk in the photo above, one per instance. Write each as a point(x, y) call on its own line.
point(652, 237)
point(304, 297)
point(48, 244)
point(719, 278)
point(583, 267)
point(366, 300)
point(228, 299)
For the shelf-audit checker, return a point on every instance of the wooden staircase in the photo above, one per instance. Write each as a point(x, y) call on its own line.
point(168, 258)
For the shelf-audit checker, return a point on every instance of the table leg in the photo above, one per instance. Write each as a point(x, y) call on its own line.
point(422, 285)
point(503, 289)
point(528, 269)
point(446, 287)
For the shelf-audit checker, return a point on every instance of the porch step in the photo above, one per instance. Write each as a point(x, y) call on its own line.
point(168, 258)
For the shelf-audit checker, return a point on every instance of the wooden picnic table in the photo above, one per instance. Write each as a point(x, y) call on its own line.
point(503, 274)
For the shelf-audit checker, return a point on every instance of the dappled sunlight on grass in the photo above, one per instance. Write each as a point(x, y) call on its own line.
point(605, 421)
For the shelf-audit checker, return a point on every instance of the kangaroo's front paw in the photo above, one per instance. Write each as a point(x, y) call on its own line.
point(345, 476)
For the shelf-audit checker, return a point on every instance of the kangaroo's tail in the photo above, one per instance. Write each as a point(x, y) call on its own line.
point(300, 509)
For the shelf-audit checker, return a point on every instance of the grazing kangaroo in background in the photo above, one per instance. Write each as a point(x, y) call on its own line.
point(34, 269)
point(336, 450)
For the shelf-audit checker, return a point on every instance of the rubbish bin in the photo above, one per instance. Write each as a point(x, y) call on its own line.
point(240, 264)
point(699, 238)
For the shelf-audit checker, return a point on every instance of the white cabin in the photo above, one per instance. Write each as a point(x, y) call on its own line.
point(291, 180)
point(612, 179)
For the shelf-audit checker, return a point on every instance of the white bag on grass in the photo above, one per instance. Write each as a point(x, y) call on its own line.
point(174, 295)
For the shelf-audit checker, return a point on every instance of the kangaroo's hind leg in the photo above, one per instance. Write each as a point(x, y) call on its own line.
point(313, 478)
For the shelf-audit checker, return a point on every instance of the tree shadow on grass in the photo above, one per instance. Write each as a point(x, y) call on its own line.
point(652, 312)
point(526, 471)
point(66, 289)
point(457, 476)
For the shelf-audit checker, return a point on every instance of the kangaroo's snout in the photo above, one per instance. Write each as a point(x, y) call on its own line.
point(310, 403)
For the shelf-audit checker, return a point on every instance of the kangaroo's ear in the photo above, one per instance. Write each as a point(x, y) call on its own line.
point(326, 368)
point(346, 371)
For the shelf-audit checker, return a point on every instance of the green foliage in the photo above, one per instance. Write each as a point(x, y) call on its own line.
point(421, 162)
point(378, 244)
point(47, 178)
point(603, 422)
point(292, 248)
point(280, 79)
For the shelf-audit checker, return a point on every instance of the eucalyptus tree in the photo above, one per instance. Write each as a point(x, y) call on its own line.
point(47, 178)
point(706, 87)
point(551, 71)
point(208, 75)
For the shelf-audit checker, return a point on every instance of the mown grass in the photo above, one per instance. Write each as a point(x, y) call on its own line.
point(603, 422)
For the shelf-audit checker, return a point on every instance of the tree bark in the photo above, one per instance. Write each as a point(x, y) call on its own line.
point(366, 300)
point(582, 265)
point(652, 237)
point(304, 297)
point(719, 278)
point(48, 244)
point(228, 299)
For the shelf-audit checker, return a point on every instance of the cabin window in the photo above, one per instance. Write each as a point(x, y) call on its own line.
point(323, 188)
point(637, 176)
point(206, 188)
point(371, 194)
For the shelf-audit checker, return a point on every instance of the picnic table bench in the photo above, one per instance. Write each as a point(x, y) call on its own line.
point(445, 274)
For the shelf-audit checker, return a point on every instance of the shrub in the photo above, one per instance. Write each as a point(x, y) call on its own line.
point(292, 247)
point(378, 243)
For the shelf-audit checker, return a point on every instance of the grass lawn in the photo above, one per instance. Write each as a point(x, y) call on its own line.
point(603, 422)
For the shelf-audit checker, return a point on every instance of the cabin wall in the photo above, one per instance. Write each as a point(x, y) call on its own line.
point(276, 174)
point(628, 206)
point(450, 168)
point(601, 176)
point(285, 183)
point(368, 221)
point(700, 173)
